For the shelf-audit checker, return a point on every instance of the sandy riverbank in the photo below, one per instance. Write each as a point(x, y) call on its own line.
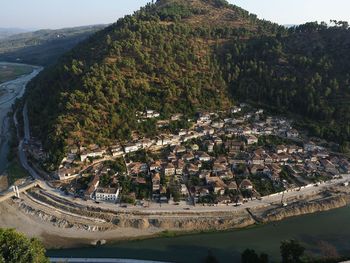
point(55, 237)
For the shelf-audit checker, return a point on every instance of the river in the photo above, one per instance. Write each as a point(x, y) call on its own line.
point(331, 227)
point(10, 91)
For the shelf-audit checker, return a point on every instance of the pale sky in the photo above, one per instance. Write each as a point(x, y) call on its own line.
point(37, 14)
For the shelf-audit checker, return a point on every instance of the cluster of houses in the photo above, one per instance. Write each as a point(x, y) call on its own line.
point(215, 158)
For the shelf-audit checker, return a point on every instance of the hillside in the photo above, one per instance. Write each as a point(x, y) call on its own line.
point(43, 47)
point(178, 56)
point(306, 72)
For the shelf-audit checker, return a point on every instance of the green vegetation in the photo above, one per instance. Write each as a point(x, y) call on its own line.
point(16, 248)
point(303, 71)
point(177, 56)
point(293, 252)
point(10, 72)
point(43, 47)
point(15, 171)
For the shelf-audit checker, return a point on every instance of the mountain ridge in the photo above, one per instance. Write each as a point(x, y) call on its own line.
point(172, 56)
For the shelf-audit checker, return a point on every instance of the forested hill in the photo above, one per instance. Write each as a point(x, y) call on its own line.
point(305, 72)
point(181, 56)
point(43, 47)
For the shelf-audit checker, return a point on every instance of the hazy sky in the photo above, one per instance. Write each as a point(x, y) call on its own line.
point(35, 14)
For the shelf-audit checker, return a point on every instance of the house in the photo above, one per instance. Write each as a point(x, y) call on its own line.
point(218, 124)
point(226, 174)
point(203, 156)
point(156, 182)
point(232, 186)
point(132, 147)
point(67, 173)
point(156, 165)
point(179, 149)
point(137, 168)
point(179, 166)
point(257, 159)
point(172, 157)
point(251, 139)
point(151, 114)
point(202, 192)
point(188, 157)
point(98, 153)
point(234, 146)
point(184, 190)
point(204, 117)
point(169, 169)
point(257, 169)
point(292, 133)
point(292, 149)
point(219, 187)
point(236, 110)
point(218, 167)
point(218, 141)
point(210, 146)
point(281, 149)
point(192, 169)
point(107, 194)
point(246, 185)
point(345, 165)
point(146, 143)
point(311, 147)
point(176, 117)
point(116, 150)
point(92, 186)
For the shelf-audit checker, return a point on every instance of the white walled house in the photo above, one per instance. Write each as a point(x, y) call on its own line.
point(107, 194)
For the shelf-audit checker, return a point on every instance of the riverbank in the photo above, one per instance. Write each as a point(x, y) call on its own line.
point(60, 229)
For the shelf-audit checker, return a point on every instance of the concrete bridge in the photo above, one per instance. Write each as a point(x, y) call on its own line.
point(15, 191)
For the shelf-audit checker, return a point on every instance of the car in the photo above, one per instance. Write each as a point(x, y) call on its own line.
point(124, 206)
point(186, 208)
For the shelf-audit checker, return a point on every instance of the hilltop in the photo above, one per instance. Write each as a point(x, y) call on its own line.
point(42, 47)
point(177, 56)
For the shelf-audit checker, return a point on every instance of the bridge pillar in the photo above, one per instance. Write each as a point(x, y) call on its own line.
point(15, 190)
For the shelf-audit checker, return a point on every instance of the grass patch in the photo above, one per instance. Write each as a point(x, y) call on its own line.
point(10, 72)
point(15, 171)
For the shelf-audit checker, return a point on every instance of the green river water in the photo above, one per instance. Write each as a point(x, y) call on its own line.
point(332, 227)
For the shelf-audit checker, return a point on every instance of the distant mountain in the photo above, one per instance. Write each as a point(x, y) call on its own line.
point(43, 47)
point(184, 56)
point(7, 32)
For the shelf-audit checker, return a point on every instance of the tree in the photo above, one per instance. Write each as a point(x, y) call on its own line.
point(210, 258)
point(16, 248)
point(291, 251)
point(249, 256)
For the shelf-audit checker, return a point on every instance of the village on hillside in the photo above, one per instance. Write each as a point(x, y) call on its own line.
point(224, 158)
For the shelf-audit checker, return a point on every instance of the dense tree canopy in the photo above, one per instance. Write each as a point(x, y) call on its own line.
point(16, 248)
